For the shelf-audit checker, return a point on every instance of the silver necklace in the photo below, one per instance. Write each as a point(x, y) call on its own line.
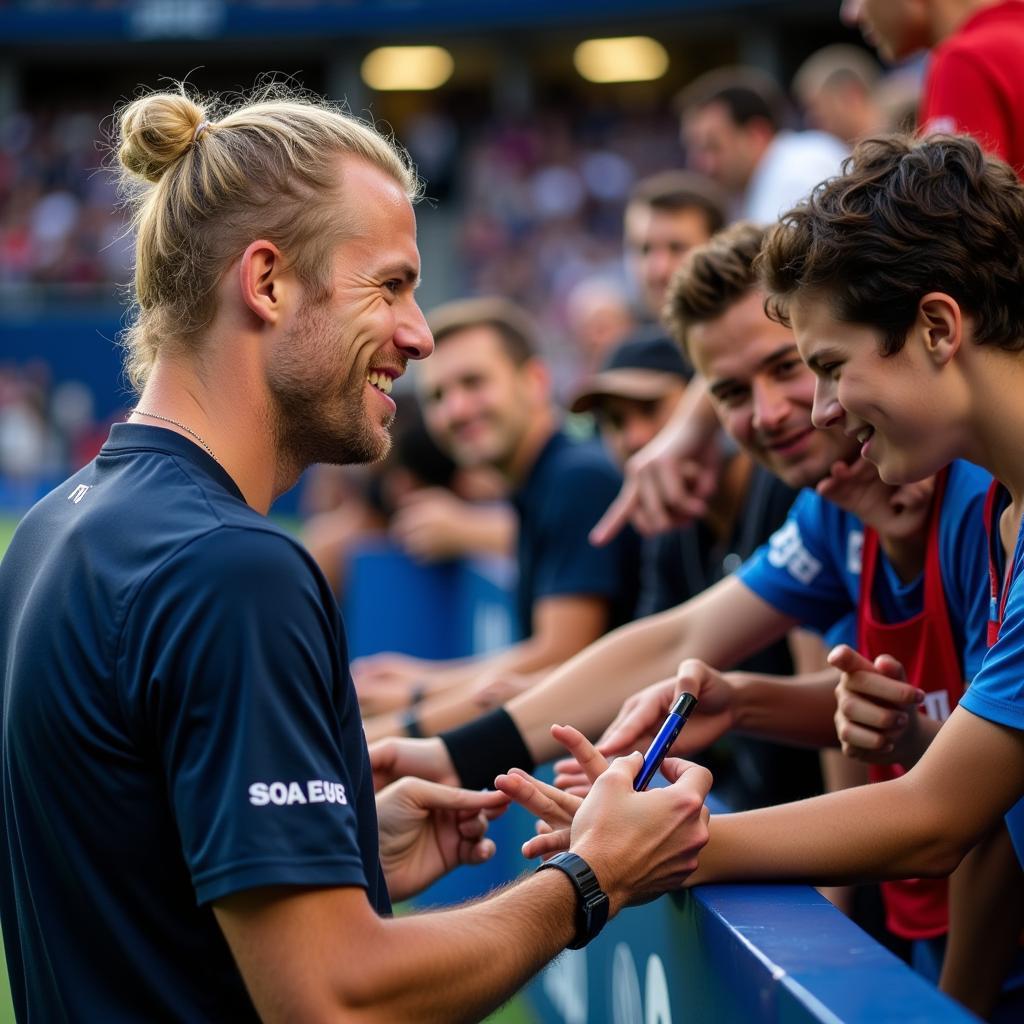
point(188, 430)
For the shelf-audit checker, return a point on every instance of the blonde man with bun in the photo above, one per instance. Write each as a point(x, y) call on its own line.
point(184, 780)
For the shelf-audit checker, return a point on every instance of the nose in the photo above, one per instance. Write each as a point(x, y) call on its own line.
point(412, 335)
point(771, 405)
point(455, 406)
point(826, 411)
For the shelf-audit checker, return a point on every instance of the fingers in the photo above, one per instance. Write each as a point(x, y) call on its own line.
point(547, 845)
point(435, 796)
point(694, 777)
point(870, 689)
point(540, 799)
point(887, 665)
point(692, 675)
point(615, 517)
point(476, 853)
point(846, 659)
point(590, 760)
point(638, 718)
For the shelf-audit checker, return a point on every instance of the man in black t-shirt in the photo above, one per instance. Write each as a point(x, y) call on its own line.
point(190, 830)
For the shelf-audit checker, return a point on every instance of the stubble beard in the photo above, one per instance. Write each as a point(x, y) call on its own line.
point(314, 419)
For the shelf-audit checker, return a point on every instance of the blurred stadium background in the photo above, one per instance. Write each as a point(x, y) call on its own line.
point(527, 149)
point(529, 138)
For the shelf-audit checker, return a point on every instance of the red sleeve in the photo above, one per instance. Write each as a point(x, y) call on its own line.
point(960, 96)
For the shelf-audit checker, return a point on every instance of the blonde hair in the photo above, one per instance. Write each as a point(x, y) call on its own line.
point(203, 177)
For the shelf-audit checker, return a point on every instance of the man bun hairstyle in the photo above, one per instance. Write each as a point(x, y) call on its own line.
point(713, 278)
point(906, 217)
point(202, 178)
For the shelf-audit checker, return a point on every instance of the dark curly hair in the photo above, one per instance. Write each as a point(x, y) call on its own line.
point(906, 217)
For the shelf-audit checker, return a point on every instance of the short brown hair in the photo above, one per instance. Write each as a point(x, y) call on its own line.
point(907, 217)
point(713, 278)
point(513, 325)
point(748, 94)
point(682, 190)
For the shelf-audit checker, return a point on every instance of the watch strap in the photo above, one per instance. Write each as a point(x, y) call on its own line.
point(591, 900)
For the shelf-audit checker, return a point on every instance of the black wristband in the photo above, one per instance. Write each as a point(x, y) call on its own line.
point(591, 900)
point(485, 747)
point(410, 724)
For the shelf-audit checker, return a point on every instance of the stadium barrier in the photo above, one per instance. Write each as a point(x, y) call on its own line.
point(749, 954)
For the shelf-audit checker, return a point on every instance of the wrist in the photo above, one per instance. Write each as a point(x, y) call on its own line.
point(616, 890)
point(740, 691)
point(486, 747)
point(592, 902)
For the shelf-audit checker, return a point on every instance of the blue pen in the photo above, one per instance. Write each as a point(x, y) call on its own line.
point(667, 734)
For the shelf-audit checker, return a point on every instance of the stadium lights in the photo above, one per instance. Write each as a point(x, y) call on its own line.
point(392, 68)
point(622, 59)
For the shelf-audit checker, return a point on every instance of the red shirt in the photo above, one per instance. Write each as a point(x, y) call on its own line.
point(975, 82)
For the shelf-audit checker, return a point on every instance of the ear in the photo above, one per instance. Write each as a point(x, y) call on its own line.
point(537, 375)
point(940, 326)
point(260, 280)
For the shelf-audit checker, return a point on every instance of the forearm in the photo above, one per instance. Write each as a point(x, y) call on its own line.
point(867, 833)
point(484, 951)
point(457, 703)
point(488, 529)
point(589, 688)
point(787, 709)
point(919, 825)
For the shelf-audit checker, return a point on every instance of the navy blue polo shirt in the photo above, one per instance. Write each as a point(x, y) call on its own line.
point(567, 490)
point(179, 724)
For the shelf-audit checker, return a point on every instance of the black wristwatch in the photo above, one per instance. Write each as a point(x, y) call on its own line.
point(591, 900)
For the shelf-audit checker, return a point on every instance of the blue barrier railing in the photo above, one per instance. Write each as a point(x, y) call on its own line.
point(749, 954)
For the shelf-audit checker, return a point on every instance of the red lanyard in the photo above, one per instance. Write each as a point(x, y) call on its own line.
point(995, 502)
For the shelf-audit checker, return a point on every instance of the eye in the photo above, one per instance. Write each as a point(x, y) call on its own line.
point(733, 398)
point(830, 371)
point(393, 285)
point(787, 367)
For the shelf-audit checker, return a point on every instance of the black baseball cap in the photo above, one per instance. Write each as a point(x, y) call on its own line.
point(643, 368)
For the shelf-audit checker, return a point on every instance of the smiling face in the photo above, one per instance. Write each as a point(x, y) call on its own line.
point(903, 410)
point(331, 374)
point(477, 402)
point(763, 394)
point(627, 424)
point(656, 242)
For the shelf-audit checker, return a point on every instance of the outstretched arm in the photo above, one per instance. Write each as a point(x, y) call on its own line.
point(919, 825)
point(324, 954)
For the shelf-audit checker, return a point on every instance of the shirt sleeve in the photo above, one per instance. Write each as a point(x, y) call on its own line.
point(960, 96)
point(236, 681)
point(997, 692)
point(566, 563)
point(797, 572)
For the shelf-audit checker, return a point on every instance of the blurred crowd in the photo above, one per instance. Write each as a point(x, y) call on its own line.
point(539, 204)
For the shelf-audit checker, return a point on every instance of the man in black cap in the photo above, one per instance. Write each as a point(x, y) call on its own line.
point(633, 394)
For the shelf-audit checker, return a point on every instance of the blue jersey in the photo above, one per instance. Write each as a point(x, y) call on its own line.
point(997, 693)
point(179, 724)
point(810, 568)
